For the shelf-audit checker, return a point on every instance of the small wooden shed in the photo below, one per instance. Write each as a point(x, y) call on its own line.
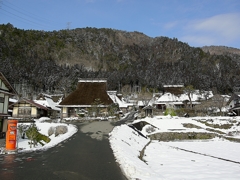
point(148, 111)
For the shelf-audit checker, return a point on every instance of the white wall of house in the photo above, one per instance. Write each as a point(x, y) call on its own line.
point(15, 112)
point(34, 112)
point(4, 101)
point(3, 86)
point(64, 112)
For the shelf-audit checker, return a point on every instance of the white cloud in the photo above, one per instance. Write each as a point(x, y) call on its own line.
point(225, 25)
point(199, 40)
point(171, 25)
point(217, 30)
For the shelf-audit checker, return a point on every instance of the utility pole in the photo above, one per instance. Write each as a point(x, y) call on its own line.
point(68, 25)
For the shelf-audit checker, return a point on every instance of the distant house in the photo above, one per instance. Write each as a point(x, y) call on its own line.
point(88, 93)
point(169, 99)
point(117, 99)
point(148, 111)
point(51, 102)
point(234, 104)
point(27, 109)
point(6, 91)
point(174, 97)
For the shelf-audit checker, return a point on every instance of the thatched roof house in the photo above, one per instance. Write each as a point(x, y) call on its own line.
point(87, 92)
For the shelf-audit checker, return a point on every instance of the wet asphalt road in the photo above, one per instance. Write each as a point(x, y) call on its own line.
point(78, 158)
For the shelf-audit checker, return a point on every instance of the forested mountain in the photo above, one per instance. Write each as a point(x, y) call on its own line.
point(55, 60)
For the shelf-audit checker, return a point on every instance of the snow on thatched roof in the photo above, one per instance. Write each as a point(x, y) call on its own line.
point(116, 99)
point(49, 103)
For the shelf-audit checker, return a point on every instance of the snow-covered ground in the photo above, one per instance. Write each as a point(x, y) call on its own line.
point(216, 158)
point(23, 144)
point(196, 159)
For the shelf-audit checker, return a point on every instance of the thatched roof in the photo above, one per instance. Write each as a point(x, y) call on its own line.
point(174, 89)
point(87, 92)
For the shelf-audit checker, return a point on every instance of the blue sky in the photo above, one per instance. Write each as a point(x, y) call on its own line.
point(196, 22)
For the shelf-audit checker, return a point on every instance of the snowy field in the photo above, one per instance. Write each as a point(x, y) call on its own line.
point(216, 158)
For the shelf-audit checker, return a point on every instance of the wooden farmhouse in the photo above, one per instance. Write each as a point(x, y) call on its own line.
point(27, 109)
point(6, 91)
point(89, 93)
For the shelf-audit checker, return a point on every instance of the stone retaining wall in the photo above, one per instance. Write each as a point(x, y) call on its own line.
point(171, 136)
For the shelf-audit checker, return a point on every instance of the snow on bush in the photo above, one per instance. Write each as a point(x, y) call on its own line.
point(51, 131)
point(61, 130)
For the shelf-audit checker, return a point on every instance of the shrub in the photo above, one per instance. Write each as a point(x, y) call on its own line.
point(170, 111)
point(112, 109)
point(32, 133)
point(51, 131)
point(81, 115)
point(61, 130)
point(22, 129)
point(35, 137)
point(150, 129)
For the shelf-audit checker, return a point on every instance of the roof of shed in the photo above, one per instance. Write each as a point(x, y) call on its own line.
point(30, 102)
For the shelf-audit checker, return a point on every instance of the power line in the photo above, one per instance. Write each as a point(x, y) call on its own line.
point(20, 15)
point(21, 18)
point(36, 16)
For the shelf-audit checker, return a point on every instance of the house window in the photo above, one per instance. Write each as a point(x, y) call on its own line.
point(24, 111)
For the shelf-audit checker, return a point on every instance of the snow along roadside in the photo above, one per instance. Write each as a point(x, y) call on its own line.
point(127, 145)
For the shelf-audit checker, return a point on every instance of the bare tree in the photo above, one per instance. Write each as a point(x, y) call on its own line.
point(189, 90)
point(145, 96)
point(218, 102)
